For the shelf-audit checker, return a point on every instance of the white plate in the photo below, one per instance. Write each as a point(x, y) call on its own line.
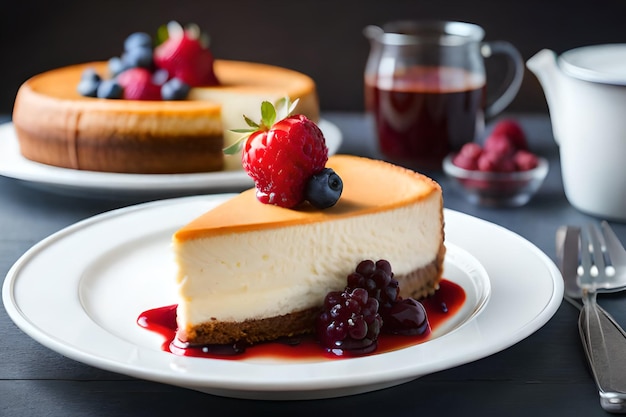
point(104, 184)
point(121, 265)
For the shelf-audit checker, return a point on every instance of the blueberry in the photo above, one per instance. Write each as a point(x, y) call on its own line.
point(110, 89)
point(89, 82)
point(138, 57)
point(174, 89)
point(138, 40)
point(324, 189)
point(160, 76)
point(116, 66)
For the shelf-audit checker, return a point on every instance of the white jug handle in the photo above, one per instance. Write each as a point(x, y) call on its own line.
point(513, 80)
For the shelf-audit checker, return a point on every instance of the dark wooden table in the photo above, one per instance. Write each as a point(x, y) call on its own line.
point(543, 375)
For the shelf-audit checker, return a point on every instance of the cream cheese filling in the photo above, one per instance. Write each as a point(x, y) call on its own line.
point(260, 274)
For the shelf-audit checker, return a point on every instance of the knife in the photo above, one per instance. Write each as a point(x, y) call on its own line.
point(603, 340)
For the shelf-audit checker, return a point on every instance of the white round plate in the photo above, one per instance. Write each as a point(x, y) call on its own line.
point(121, 266)
point(105, 184)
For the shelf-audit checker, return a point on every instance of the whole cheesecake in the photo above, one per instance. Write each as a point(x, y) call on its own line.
point(251, 272)
point(55, 125)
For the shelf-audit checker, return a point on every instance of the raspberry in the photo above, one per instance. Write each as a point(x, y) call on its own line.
point(500, 145)
point(464, 162)
point(512, 130)
point(138, 85)
point(494, 162)
point(467, 158)
point(525, 160)
point(471, 150)
point(282, 157)
point(349, 322)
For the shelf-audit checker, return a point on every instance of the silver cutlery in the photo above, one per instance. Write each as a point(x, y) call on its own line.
point(595, 262)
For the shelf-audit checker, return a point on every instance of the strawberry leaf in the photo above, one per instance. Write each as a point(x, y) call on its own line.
point(251, 122)
point(268, 114)
point(285, 107)
point(268, 118)
point(162, 34)
point(292, 107)
point(236, 146)
point(193, 31)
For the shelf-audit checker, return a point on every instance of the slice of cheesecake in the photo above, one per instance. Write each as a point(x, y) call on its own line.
point(253, 272)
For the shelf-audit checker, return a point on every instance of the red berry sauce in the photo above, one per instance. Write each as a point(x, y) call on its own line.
point(439, 307)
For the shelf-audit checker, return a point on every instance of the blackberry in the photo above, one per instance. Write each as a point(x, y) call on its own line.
point(406, 317)
point(377, 278)
point(400, 316)
point(349, 322)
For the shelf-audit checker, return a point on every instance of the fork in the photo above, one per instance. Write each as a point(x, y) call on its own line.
point(601, 262)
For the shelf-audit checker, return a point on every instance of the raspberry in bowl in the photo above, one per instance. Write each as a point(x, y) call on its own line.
point(503, 172)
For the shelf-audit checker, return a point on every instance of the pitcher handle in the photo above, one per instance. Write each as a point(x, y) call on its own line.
point(515, 74)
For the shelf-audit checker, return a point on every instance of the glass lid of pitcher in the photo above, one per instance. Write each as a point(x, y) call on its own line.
point(409, 32)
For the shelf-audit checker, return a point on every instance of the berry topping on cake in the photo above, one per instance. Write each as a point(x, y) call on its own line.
point(349, 322)
point(89, 82)
point(400, 316)
point(185, 55)
point(138, 51)
point(324, 189)
point(110, 89)
point(405, 317)
point(174, 89)
point(166, 72)
point(138, 85)
point(138, 40)
point(352, 319)
point(285, 158)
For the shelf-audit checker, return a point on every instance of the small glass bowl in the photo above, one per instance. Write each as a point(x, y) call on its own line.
point(497, 189)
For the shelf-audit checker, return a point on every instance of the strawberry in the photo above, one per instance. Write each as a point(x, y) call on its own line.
point(138, 85)
point(186, 56)
point(281, 156)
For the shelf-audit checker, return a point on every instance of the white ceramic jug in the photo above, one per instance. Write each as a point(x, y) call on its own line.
point(585, 89)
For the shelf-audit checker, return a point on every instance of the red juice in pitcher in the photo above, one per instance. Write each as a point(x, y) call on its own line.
point(425, 112)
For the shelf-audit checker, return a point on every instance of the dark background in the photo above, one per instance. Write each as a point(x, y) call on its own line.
point(319, 37)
